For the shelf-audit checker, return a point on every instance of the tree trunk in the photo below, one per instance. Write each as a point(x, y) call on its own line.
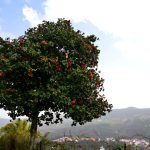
point(33, 132)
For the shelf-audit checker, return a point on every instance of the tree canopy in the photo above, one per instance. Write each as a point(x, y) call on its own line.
point(52, 68)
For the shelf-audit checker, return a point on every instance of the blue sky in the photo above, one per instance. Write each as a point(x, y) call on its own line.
point(123, 27)
point(11, 17)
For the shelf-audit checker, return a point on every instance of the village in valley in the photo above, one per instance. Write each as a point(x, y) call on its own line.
point(137, 143)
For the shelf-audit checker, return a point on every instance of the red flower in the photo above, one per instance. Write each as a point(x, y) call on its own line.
point(2, 74)
point(22, 41)
point(83, 66)
point(90, 46)
point(91, 76)
point(98, 83)
point(58, 68)
point(53, 61)
point(92, 70)
point(79, 102)
point(69, 63)
point(30, 74)
point(73, 102)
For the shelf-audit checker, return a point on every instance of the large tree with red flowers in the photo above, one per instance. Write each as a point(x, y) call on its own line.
point(51, 69)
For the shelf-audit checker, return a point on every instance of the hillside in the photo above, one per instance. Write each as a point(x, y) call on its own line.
point(129, 122)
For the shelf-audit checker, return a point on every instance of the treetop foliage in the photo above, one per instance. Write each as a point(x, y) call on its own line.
point(52, 68)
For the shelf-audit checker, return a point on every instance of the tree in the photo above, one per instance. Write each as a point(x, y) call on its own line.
point(52, 68)
point(16, 135)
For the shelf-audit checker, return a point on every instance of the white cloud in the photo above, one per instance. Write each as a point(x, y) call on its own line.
point(31, 15)
point(125, 19)
point(127, 86)
point(136, 51)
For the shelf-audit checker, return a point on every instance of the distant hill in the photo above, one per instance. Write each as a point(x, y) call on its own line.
point(128, 122)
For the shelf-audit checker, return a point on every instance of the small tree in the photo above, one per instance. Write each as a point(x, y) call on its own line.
point(16, 135)
point(52, 68)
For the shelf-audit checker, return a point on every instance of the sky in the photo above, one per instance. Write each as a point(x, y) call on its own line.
point(123, 27)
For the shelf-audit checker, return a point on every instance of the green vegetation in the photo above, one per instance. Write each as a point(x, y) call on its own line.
point(52, 68)
point(16, 136)
point(97, 128)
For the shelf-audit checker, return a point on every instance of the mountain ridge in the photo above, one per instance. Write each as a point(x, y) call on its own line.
point(126, 122)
